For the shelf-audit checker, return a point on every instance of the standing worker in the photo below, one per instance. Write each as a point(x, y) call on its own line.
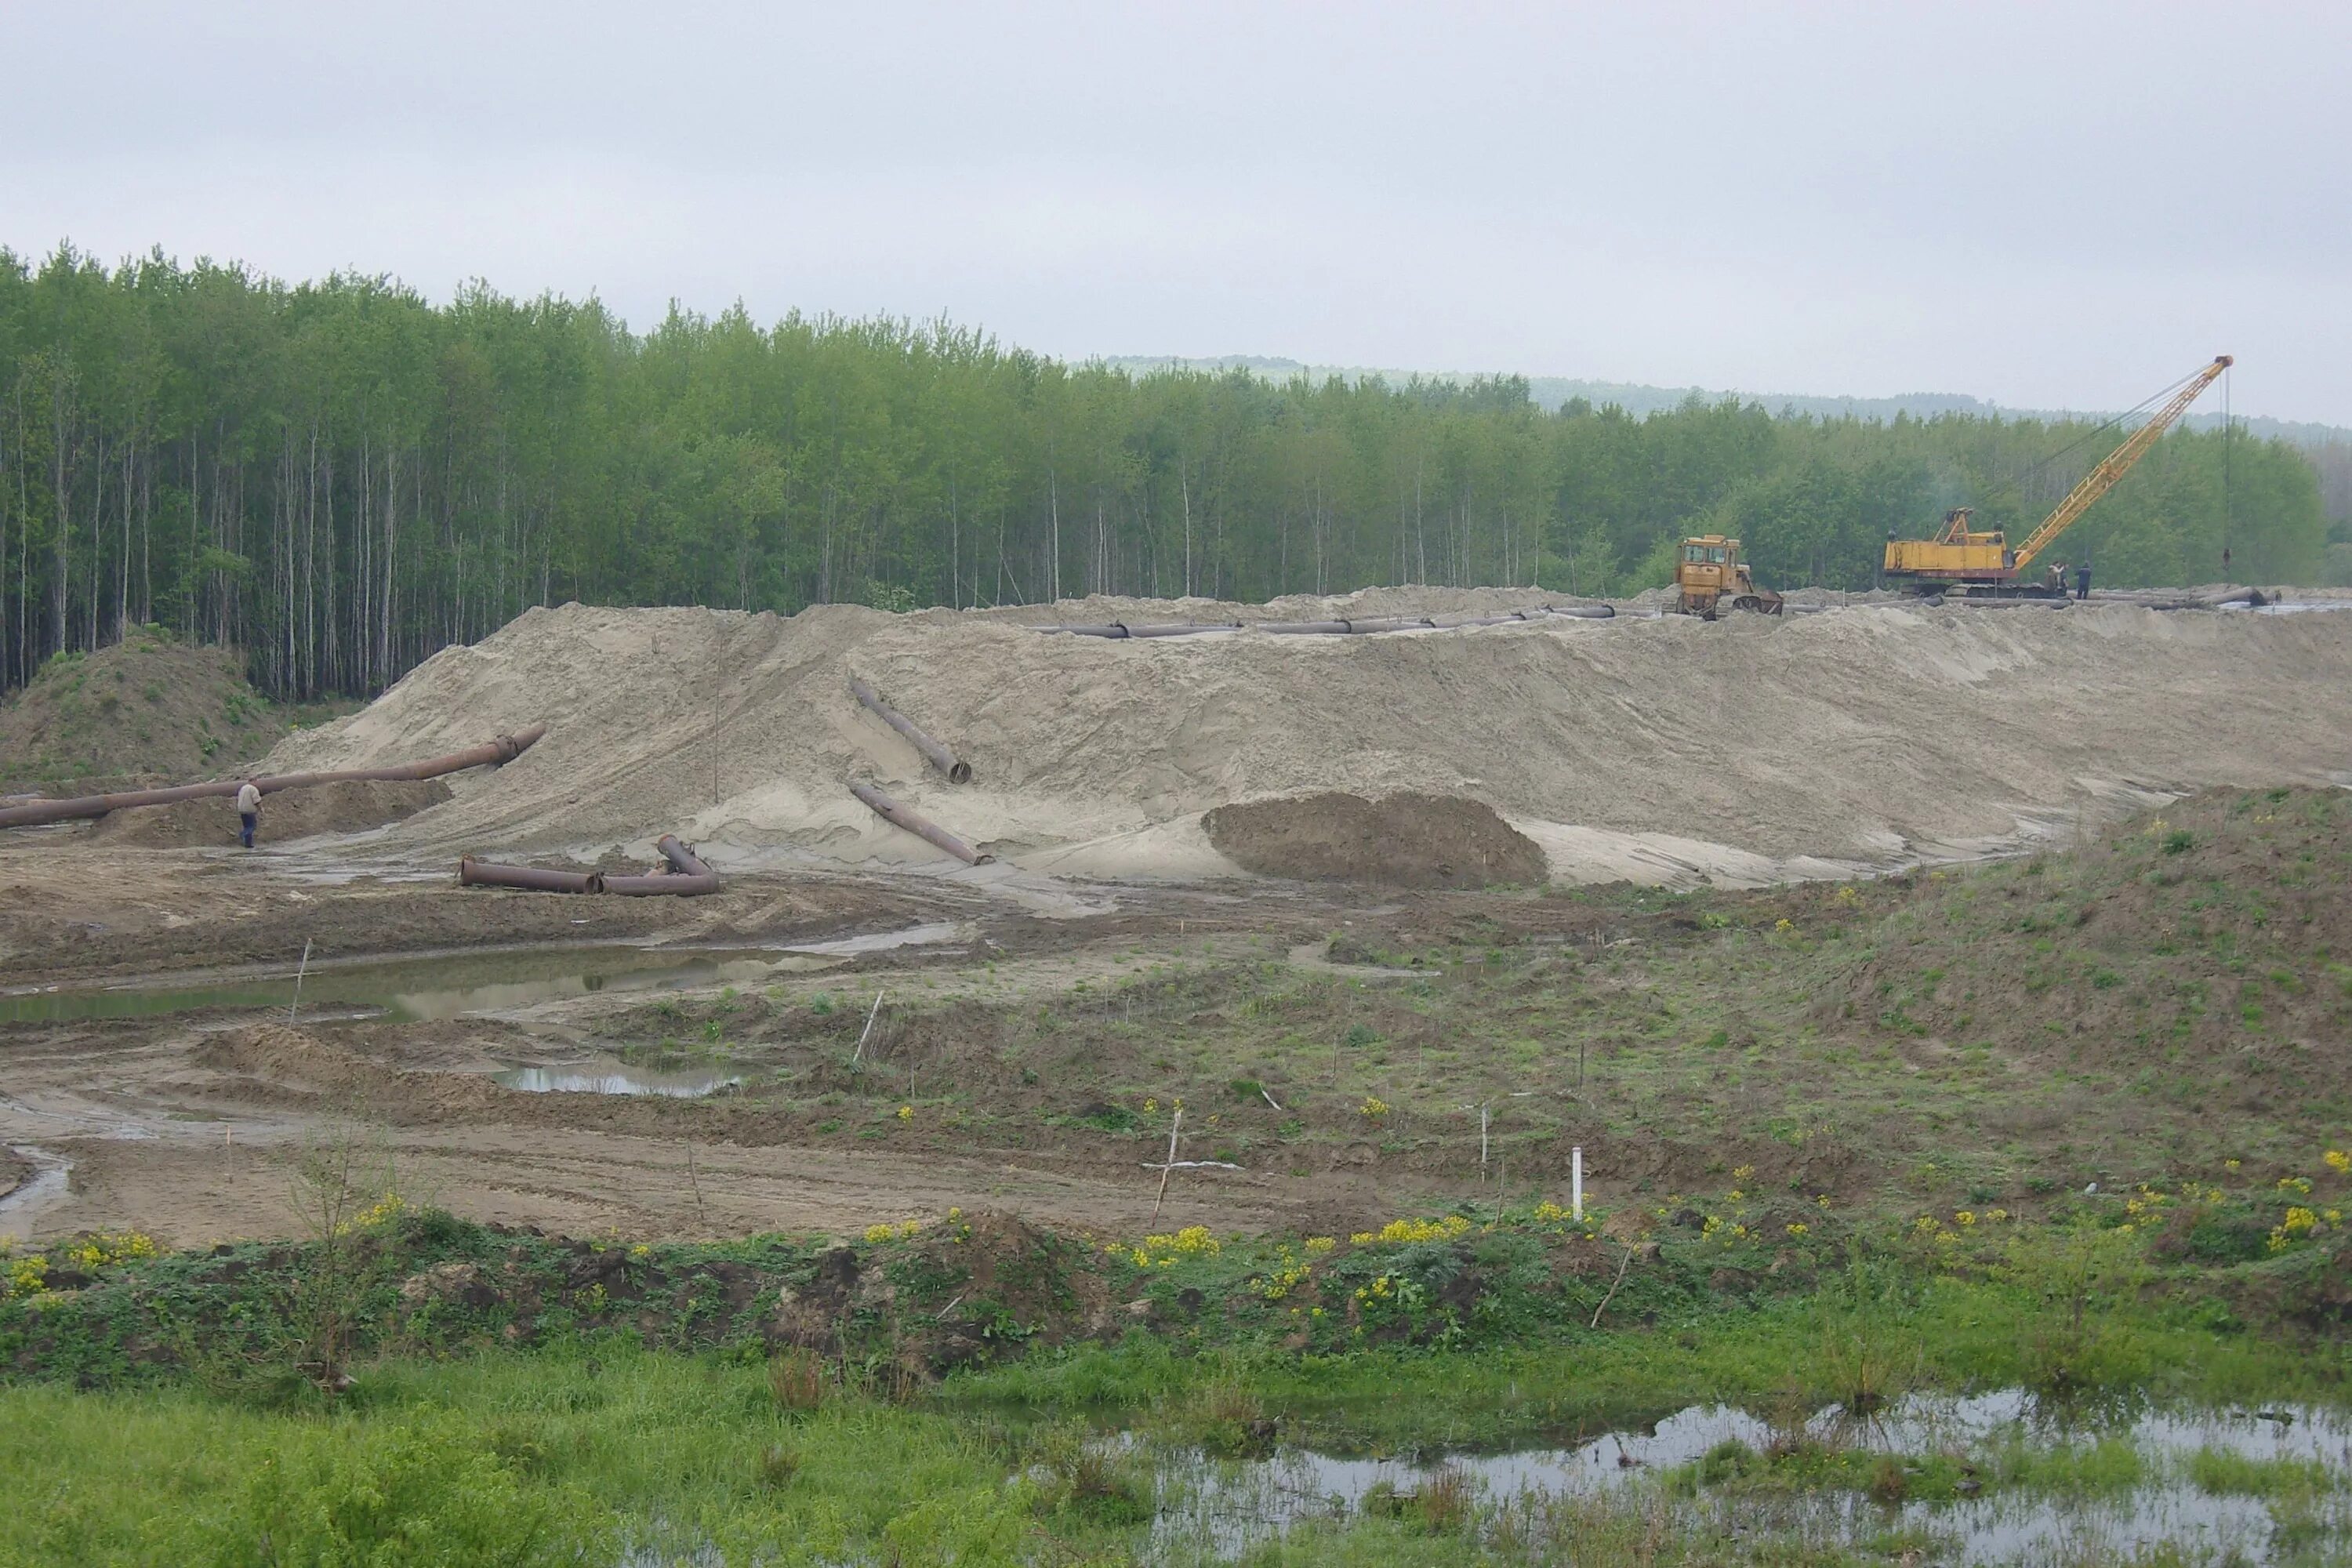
point(2083, 579)
point(249, 809)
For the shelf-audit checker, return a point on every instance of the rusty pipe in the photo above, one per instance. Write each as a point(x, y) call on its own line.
point(675, 884)
point(503, 750)
point(939, 756)
point(681, 856)
point(899, 815)
point(473, 873)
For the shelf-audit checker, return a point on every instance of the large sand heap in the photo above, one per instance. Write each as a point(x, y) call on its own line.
point(1661, 749)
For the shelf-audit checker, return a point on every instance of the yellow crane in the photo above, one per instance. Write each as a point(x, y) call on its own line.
point(1964, 558)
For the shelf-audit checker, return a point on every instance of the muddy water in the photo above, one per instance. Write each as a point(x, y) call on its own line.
point(459, 986)
point(22, 1203)
point(610, 1075)
point(1214, 1510)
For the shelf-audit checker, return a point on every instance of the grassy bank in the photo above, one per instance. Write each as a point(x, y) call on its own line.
point(427, 1390)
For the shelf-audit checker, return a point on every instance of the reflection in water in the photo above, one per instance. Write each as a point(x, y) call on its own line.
point(464, 985)
point(1213, 1509)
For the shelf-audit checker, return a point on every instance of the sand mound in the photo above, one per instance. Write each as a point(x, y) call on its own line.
point(1663, 747)
point(1402, 840)
point(348, 808)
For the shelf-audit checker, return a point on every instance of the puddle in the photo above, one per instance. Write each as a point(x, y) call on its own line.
point(1220, 1509)
point(879, 942)
point(47, 1183)
point(610, 1075)
point(464, 985)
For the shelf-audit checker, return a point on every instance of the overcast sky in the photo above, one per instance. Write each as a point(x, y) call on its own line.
point(2047, 204)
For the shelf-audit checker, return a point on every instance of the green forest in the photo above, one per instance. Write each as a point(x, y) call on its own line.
point(343, 477)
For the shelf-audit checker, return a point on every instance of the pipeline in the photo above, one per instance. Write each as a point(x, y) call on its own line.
point(1118, 629)
point(892, 812)
point(473, 873)
point(688, 876)
point(947, 762)
point(499, 752)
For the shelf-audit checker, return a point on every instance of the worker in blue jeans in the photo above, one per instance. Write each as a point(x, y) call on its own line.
point(2082, 580)
point(248, 810)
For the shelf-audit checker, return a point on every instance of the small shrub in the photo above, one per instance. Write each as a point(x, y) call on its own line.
point(2180, 841)
point(796, 1380)
point(775, 1467)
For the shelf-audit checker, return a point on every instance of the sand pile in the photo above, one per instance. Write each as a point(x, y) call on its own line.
point(1405, 840)
point(347, 807)
point(1665, 749)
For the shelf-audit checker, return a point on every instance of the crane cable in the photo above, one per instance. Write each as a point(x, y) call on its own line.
point(2018, 484)
point(2226, 424)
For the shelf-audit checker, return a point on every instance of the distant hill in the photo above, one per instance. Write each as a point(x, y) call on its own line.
point(2329, 447)
point(1552, 391)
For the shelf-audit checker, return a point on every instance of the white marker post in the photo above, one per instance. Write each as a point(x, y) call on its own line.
point(1576, 1183)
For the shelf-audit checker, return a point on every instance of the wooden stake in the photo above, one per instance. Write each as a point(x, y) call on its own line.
point(303, 969)
point(1170, 1168)
point(871, 1015)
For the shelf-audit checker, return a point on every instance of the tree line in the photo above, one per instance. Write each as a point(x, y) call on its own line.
point(343, 477)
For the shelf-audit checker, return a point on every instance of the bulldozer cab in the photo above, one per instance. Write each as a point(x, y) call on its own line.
point(1707, 569)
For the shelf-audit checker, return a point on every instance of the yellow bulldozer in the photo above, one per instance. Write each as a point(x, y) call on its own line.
point(1709, 571)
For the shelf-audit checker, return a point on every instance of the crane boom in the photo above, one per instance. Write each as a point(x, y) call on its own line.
point(2118, 463)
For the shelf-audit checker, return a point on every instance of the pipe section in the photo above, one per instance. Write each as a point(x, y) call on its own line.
point(899, 815)
point(498, 752)
point(473, 873)
point(939, 757)
point(1116, 629)
point(687, 877)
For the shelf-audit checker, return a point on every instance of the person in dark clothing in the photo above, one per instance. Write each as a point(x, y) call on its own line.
point(2082, 581)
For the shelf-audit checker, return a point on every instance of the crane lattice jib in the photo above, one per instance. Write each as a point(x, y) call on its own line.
point(2118, 463)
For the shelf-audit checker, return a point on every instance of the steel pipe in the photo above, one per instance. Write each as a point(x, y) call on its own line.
point(681, 855)
point(899, 815)
point(473, 873)
point(688, 878)
point(1116, 629)
point(503, 750)
point(673, 884)
point(939, 757)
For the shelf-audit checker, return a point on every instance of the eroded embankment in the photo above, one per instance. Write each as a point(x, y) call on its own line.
point(1865, 734)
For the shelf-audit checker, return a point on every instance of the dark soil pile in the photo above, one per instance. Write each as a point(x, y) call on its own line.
point(147, 706)
point(1399, 840)
point(14, 1172)
point(348, 808)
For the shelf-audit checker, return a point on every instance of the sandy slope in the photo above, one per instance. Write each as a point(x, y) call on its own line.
point(1663, 749)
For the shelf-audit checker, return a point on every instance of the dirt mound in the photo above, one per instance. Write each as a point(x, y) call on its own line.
point(1401, 840)
point(276, 1054)
point(349, 808)
point(1875, 735)
point(146, 706)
